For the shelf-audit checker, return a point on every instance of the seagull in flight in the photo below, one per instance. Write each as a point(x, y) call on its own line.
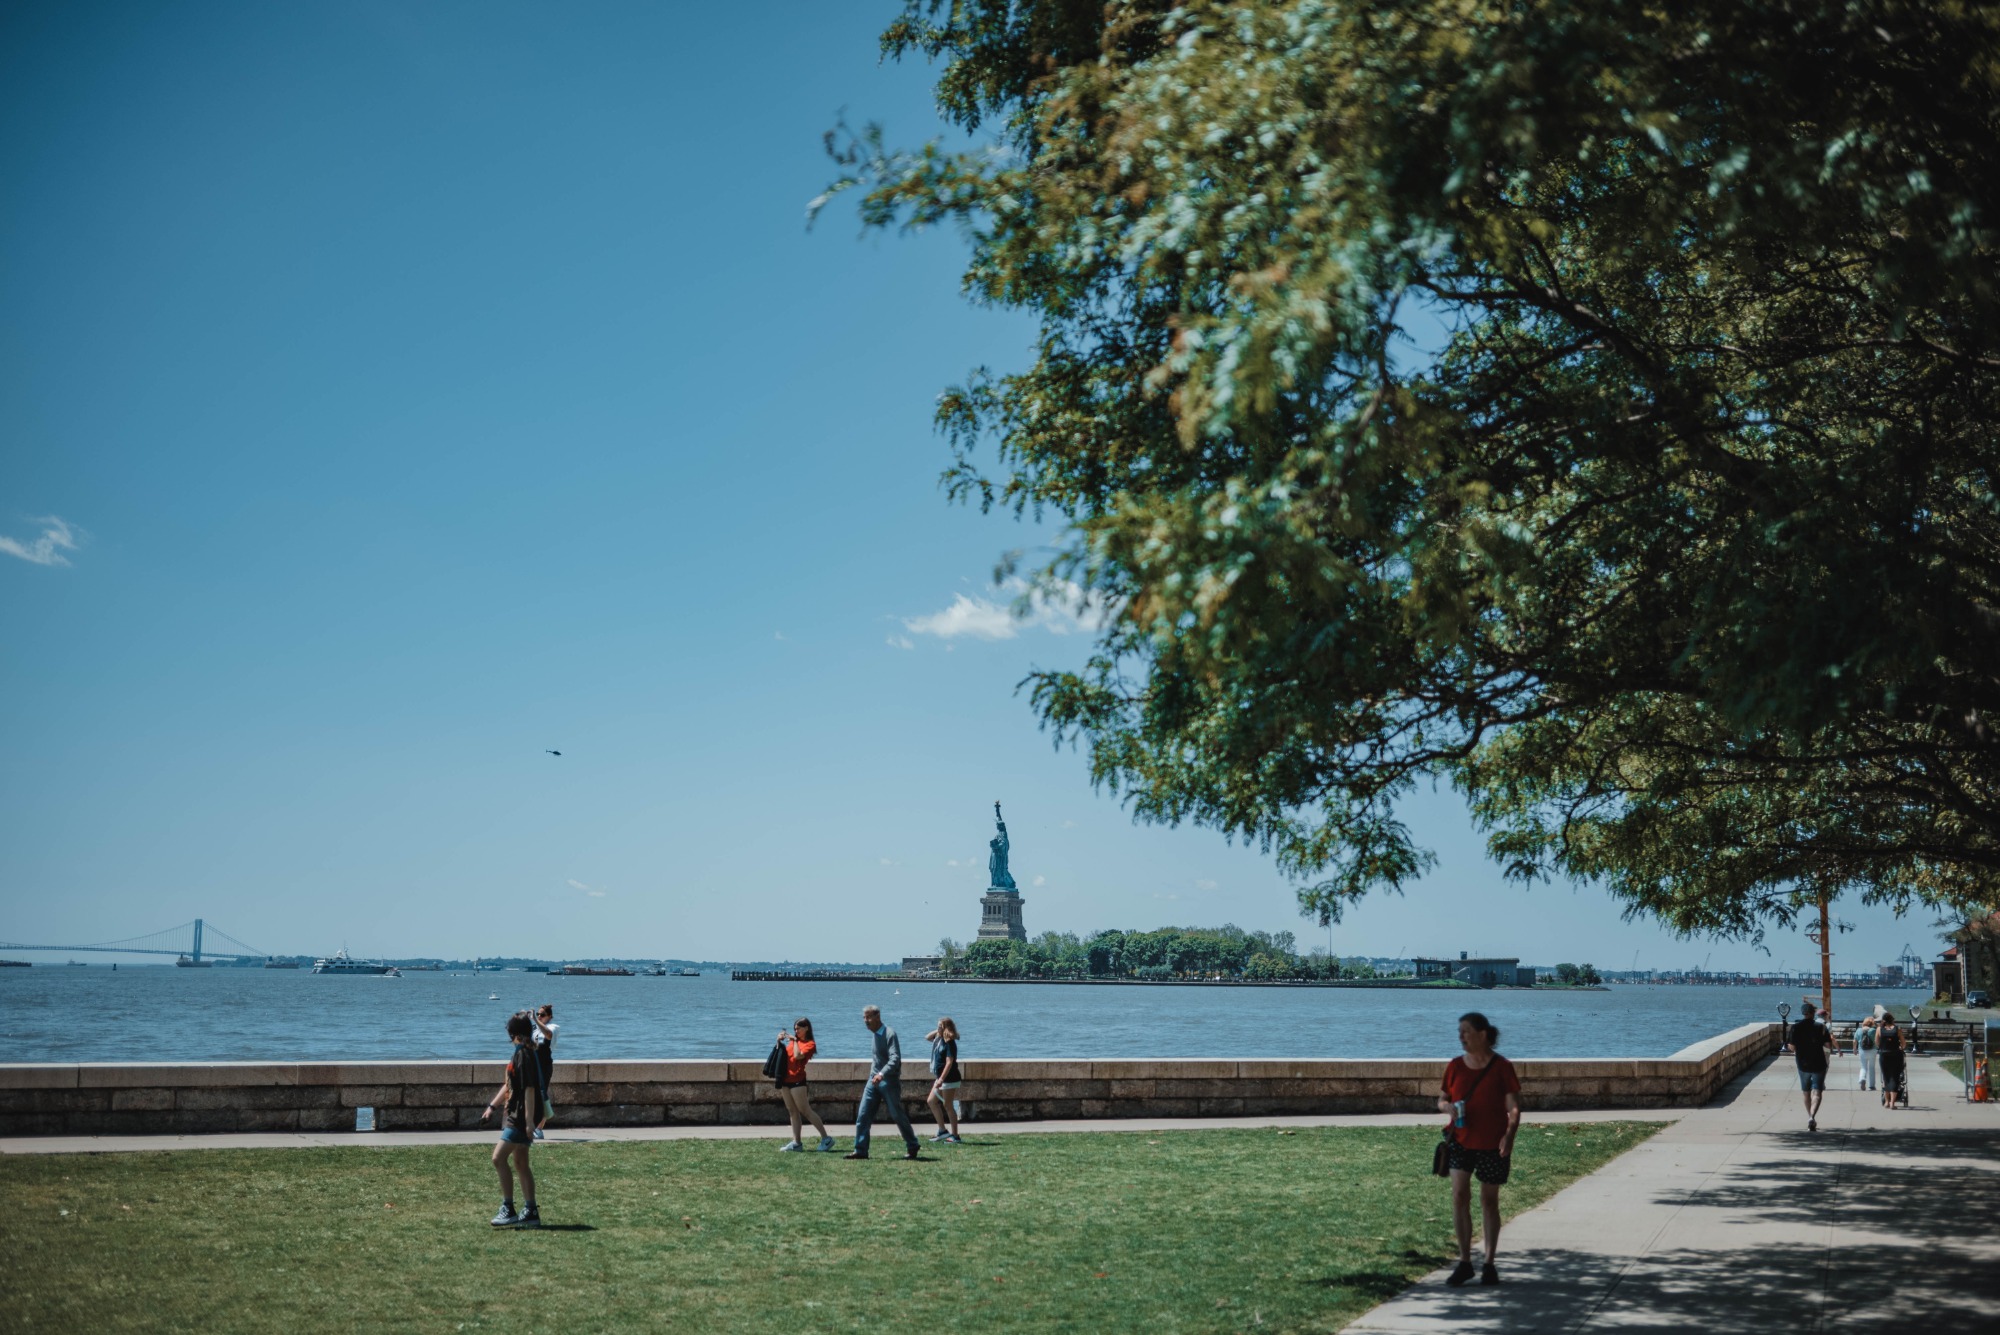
point(555, 753)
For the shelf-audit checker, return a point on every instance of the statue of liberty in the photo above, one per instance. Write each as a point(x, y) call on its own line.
point(996, 861)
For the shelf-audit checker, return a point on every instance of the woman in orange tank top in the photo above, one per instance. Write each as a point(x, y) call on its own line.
point(799, 1049)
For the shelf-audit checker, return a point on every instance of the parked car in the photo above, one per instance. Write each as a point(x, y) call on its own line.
point(1979, 999)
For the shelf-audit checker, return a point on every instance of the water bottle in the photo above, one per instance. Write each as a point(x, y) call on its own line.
point(1458, 1113)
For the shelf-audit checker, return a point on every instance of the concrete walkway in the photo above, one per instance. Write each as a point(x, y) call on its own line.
point(1737, 1219)
point(268, 1140)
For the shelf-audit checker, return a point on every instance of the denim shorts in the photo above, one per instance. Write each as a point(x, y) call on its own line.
point(510, 1135)
point(1811, 1080)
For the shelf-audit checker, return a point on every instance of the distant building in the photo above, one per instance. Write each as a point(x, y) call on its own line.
point(922, 963)
point(1948, 976)
point(1480, 973)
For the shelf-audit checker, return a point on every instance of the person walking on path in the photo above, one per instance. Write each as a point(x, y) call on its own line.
point(885, 1074)
point(1889, 1048)
point(1483, 1097)
point(545, 1059)
point(519, 1092)
point(1864, 1051)
point(945, 1079)
point(1811, 1042)
point(799, 1049)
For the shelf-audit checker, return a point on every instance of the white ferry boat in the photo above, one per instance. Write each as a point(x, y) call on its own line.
point(343, 963)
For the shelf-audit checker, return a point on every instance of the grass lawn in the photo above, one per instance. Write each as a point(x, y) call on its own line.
point(1111, 1231)
point(1954, 1067)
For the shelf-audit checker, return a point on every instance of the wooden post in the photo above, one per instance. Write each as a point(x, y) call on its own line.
point(1825, 965)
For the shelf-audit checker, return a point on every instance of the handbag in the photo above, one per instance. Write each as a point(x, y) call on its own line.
point(774, 1065)
point(1441, 1152)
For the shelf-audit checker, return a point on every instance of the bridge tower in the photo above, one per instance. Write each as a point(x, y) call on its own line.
point(197, 940)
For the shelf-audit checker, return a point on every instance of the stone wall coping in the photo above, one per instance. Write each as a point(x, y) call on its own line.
point(134, 1075)
point(1712, 1048)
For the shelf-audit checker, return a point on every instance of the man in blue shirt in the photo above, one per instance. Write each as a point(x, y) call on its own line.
point(885, 1076)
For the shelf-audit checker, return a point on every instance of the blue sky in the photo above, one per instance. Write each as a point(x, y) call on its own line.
point(389, 393)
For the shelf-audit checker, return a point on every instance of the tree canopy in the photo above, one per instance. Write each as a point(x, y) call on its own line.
point(1169, 952)
point(1589, 404)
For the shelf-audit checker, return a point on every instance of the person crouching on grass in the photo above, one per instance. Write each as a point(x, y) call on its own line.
point(1482, 1094)
point(520, 1092)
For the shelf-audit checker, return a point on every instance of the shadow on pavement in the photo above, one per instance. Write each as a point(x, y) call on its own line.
point(1754, 1291)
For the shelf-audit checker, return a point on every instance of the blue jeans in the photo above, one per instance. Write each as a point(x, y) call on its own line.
point(872, 1094)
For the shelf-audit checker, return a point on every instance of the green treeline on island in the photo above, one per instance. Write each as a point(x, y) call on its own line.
point(1175, 953)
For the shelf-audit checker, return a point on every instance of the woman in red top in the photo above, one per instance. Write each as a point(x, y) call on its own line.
point(1482, 1095)
point(799, 1049)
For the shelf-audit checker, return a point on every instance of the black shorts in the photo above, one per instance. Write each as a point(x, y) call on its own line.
point(791, 1084)
point(1486, 1165)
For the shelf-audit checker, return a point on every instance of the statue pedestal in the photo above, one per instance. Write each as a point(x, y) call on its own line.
point(1000, 916)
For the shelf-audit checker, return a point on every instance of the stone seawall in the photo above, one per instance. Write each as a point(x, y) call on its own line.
point(114, 1098)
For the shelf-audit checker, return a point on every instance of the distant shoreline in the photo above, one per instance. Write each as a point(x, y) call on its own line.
point(1403, 984)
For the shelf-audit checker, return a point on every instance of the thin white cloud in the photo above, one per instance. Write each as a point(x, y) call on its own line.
point(1067, 825)
point(597, 894)
point(978, 617)
point(900, 642)
point(47, 550)
point(951, 862)
point(1060, 609)
point(1041, 880)
point(1204, 885)
point(888, 862)
point(777, 635)
point(579, 885)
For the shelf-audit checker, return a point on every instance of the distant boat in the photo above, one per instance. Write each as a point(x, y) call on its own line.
point(78, 964)
point(281, 964)
point(343, 963)
point(493, 996)
point(657, 971)
point(16, 964)
point(185, 963)
point(585, 971)
point(688, 973)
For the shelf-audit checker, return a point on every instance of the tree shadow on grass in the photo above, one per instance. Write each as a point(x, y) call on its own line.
point(1381, 1285)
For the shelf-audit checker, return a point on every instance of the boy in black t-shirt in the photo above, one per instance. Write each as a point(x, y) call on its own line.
point(520, 1092)
point(1811, 1042)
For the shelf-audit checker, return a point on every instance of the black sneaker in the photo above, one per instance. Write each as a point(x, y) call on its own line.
point(1488, 1275)
point(506, 1218)
point(1461, 1274)
point(910, 1154)
point(856, 1155)
point(529, 1218)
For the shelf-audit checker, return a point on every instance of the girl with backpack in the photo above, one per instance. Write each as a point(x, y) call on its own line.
point(1864, 1048)
point(945, 1080)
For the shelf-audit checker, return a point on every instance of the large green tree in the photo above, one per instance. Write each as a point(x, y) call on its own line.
point(1676, 543)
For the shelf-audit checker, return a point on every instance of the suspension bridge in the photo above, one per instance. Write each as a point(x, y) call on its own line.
point(188, 941)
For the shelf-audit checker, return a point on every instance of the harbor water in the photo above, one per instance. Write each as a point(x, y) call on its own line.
point(152, 1014)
